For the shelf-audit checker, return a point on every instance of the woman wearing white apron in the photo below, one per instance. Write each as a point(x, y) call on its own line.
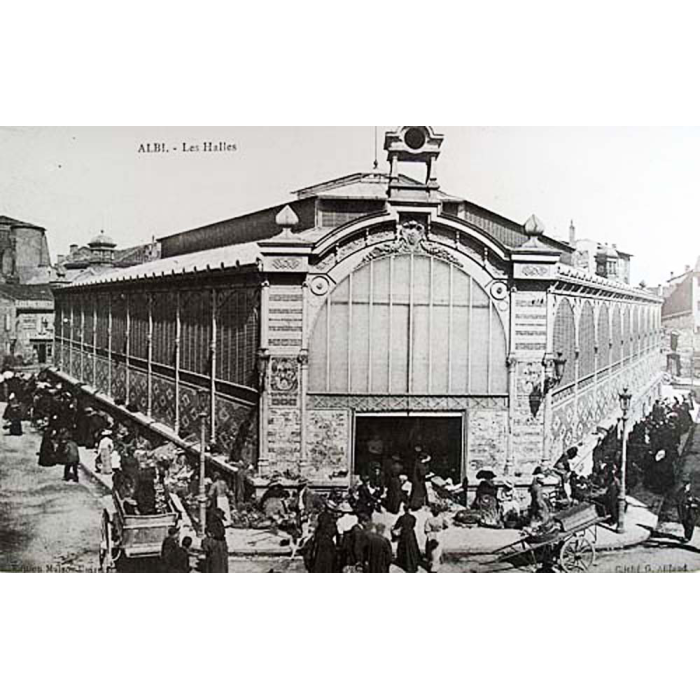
point(104, 452)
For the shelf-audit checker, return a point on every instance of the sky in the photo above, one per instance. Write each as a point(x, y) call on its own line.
point(633, 186)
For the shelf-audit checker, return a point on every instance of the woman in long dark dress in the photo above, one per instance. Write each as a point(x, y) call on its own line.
point(408, 551)
point(214, 545)
point(324, 555)
point(394, 494)
point(419, 491)
point(47, 450)
point(13, 415)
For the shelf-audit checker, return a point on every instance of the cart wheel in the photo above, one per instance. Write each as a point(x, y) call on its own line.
point(577, 555)
point(106, 545)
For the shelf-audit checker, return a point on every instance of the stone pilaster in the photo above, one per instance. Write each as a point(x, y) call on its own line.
point(534, 269)
point(285, 264)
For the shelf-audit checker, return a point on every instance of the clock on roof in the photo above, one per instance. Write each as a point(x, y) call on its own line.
point(414, 144)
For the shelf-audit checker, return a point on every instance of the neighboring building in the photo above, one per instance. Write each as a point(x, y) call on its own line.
point(24, 253)
point(98, 256)
point(26, 303)
point(374, 307)
point(26, 322)
point(600, 259)
point(680, 317)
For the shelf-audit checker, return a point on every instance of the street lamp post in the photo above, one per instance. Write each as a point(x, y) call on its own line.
point(202, 498)
point(625, 402)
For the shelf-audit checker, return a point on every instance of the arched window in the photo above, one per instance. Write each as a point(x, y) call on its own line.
point(603, 337)
point(586, 341)
point(616, 336)
point(408, 324)
point(565, 339)
point(627, 332)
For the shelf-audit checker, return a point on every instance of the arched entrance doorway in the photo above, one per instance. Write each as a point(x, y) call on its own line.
point(417, 336)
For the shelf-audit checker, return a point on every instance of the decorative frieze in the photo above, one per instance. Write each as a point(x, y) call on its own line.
point(372, 404)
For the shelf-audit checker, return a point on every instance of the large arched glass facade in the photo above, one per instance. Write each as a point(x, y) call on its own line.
point(408, 324)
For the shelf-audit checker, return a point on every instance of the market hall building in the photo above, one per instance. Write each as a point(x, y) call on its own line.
point(372, 315)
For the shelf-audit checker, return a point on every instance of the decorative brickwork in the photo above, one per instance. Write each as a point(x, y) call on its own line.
point(163, 400)
point(237, 430)
point(329, 435)
point(189, 411)
point(138, 389)
point(487, 439)
point(119, 382)
point(102, 376)
point(284, 434)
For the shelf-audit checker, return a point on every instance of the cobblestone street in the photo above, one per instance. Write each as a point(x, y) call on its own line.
point(45, 523)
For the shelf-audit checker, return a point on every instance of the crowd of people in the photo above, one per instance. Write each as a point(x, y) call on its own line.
point(367, 528)
point(653, 464)
point(345, 540)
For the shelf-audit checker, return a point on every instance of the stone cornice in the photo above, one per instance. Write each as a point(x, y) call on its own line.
point(571, 279)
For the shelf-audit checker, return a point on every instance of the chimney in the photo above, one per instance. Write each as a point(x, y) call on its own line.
point(687, 268)
point(60, 259)
point(572, 234)
point(73, 248)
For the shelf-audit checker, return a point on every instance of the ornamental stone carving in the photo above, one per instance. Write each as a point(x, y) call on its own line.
point(411, 239)
point(535, 270)
point(286, 263)
point(284, 376)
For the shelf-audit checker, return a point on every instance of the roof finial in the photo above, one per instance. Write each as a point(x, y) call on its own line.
point(534, 227)
point(286, 219)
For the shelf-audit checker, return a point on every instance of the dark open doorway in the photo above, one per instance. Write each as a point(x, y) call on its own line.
point(378, 438)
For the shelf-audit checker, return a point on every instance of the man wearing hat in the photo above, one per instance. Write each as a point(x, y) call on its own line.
point(71, 458)
point(688, 510)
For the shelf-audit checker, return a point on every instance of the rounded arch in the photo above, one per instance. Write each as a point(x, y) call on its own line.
point(603, 337)
point(586, 341)
point(565, 339)
point(348, 235)
point(408, 323)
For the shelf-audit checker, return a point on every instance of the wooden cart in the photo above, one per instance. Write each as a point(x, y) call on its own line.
point(569, 544)
point(131, 536)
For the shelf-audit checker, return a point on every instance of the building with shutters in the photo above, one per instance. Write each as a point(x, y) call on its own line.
point(680, 317)
point(26, 323)
point(372, 314)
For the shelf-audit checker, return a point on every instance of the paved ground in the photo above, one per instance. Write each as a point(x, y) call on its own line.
point(45, 523)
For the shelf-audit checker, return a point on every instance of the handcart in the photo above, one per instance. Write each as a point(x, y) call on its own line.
point(567, 542)
point(127, 536)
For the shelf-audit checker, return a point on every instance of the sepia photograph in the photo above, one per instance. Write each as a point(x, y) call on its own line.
point(388, 349)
